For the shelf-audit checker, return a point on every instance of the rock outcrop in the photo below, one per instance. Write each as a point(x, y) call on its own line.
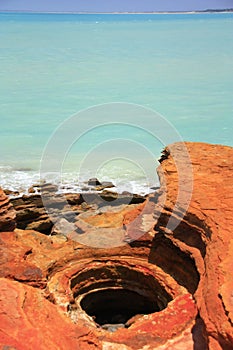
point(7, 213)
point(169, 288)
point(31, 214)
point(204, 233)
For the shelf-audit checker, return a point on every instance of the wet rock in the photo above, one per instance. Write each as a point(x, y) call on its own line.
point(103, 185)
point(154, 188)
point(85, 188)
point(93, 182)
point(49, 187)
point(11, 193)
point(123, 198)
point(31, 190)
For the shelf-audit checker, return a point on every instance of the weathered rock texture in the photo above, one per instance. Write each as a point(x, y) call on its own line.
point(54, 290)
point(7, 213)
point(31, 214)
point(205, 233)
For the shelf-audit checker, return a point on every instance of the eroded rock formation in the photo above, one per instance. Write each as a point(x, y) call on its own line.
point(31, 214)
point(170, 287)
point(205, 233)
point(7, 213)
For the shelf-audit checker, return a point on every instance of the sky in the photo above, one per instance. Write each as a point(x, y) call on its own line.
point(112, 5)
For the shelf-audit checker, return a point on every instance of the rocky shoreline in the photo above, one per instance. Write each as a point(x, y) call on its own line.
point(67, 211)
point(110, 273)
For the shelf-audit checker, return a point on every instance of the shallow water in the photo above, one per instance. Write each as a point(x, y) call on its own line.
point(53, 66)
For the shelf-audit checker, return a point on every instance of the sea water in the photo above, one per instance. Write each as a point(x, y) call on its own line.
point(52, 66)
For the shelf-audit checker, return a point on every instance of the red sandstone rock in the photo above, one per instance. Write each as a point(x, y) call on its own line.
point(192, 263)
point(205, 232)
point(29, 321)
point(7, 213)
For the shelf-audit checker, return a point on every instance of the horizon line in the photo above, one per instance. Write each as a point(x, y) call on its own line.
point(120, 12)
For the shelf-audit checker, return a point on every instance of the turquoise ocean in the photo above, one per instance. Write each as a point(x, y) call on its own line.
point(52, 66)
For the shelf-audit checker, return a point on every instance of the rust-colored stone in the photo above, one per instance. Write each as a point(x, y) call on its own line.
point(29, 321)
point(7, 213)
point(187, 270)
point(205, 232)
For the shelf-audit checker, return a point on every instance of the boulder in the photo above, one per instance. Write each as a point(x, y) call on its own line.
point(48, 187)
point(93, 182)
point(103, 185)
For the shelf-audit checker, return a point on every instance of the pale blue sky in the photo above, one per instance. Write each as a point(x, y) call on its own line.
point(113, 5)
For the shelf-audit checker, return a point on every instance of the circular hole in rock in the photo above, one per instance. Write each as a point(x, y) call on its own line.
point(116, 306)
point(115, 294)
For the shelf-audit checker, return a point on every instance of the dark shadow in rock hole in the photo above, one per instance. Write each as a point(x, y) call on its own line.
point(199, 335)
point(174, 262)
point(191, 231)
point(117, 306)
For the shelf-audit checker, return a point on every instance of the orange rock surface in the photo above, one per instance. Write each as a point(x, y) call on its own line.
point(7, 213)
point(29, 321)
point(183, 262)
point(205, 232)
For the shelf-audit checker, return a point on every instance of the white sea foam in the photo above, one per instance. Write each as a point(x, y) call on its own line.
point(21, 181)
point(118, 60)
